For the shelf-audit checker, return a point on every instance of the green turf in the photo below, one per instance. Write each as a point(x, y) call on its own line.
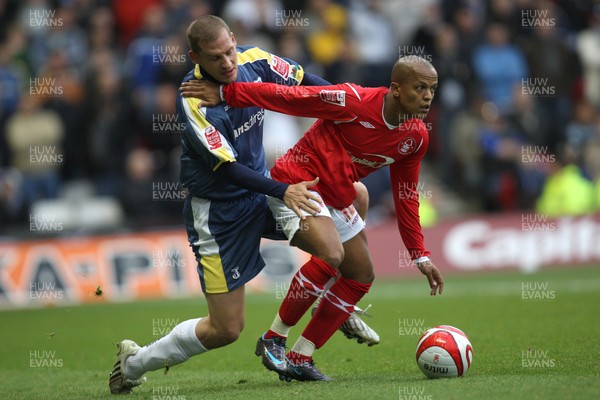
point(523, 348)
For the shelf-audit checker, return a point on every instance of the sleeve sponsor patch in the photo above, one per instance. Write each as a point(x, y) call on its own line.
point(336, 97)
point(213, 137)
point(280, 66)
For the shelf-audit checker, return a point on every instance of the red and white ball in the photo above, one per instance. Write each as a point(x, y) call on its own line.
point(444, 352)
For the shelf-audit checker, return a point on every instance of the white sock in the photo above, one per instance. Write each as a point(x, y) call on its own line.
point(304, 346)
point(279, 327)
point(175, 348)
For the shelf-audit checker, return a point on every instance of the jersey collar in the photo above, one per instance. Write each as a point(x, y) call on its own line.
point(199, 73)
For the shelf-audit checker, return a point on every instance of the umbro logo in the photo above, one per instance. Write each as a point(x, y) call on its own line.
point(367, 124)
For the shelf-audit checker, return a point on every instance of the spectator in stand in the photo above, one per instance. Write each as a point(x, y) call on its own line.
point(101, 34)
point(500, 66)
point(582, 129)
point(373, 41)
point(34, 138)
point(501, 146)
point(142, 66)
point(591, 162)
point(588, 43)
point(11, 76)
point(454, 74)
point(62, 87)
point(328, 43)
point(129, 16)
point(70, 39)
point(566, 192)
point(507, 13)
point(468, 27)
point(553, 70)
point(111, 124)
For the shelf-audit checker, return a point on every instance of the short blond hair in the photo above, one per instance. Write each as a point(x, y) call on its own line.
point(204, 29)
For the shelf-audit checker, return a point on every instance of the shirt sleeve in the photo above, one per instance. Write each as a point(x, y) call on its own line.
point(205, 137)
point(336, 102)
point(314, 80)
point(273, 68)
point(404, 175)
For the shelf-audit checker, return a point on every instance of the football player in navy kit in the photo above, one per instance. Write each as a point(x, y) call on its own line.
point(226, 213)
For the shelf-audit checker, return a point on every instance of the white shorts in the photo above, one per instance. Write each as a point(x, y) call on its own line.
point(347, 221)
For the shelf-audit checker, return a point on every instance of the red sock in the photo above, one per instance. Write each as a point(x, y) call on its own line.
point(336, 306)
point(304, 289)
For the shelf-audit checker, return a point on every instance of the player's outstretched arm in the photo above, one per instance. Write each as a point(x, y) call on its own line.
point(434, 277)
point(296, 196)
point(337, 102)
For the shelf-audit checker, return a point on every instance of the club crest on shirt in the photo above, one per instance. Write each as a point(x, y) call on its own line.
point(213, 137)
point(407, 146)
point(337, 97)
point(280, 66)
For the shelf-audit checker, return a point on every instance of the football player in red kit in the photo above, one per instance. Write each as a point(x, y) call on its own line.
point(359, 130)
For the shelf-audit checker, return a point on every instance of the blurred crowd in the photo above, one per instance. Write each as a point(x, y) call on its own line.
point(88, 89)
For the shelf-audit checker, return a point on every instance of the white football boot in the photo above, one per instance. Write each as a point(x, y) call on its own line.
point(118, 382)
point(355, 328)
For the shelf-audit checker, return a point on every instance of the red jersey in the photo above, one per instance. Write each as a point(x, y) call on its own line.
point(349, 141)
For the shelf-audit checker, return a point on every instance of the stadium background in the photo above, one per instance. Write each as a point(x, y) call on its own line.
point(89, 142)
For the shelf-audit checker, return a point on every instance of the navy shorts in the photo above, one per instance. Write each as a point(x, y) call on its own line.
point(225, 237)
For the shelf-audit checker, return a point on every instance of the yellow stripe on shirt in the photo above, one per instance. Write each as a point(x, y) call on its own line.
point(214, 141)
point(255, 54)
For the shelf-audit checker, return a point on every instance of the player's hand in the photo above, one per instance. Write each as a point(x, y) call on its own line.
point(298, 198)
point(207, 92)
point(436, 282)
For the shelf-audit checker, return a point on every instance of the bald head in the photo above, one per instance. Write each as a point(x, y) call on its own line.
point(414, 82)
point(411, 67)
point(203, 30)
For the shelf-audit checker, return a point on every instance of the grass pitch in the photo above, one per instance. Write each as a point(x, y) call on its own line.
point(534, 337)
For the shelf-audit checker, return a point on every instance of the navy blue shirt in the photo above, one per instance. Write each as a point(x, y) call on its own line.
point(220, 134)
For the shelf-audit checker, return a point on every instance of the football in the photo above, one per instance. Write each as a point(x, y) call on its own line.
point(444, 352)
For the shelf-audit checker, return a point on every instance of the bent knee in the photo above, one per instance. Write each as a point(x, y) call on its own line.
point(333, 257)
point(369, 277)
point(230, 334)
